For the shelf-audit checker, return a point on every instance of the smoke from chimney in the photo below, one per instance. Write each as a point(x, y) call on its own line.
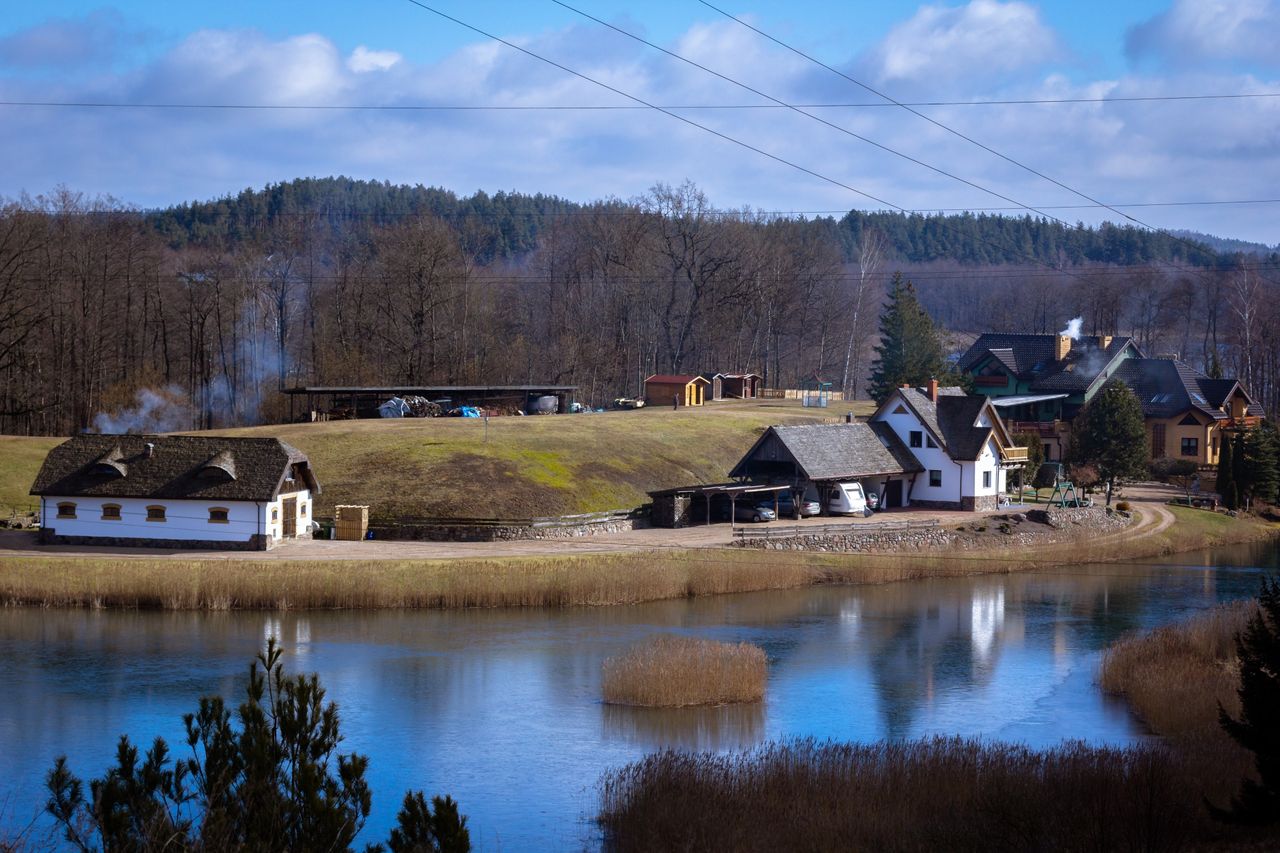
point(1072, 330)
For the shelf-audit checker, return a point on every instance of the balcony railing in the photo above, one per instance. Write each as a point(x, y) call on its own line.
point(1245, 422)
point(1015, 454)
point(1043, 428)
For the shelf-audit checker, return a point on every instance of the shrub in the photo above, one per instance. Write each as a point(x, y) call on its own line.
point(679, 671)
point(1123, 506)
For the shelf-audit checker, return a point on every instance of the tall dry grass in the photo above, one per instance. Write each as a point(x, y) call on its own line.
point(551, 581)
point(675, 672)
point(940, 794)
point(1174, 679)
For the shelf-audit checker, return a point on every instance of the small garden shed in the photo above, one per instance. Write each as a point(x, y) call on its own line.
point(685, 389)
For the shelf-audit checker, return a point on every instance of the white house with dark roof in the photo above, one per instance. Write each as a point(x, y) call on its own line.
point(959, 441)
point(175, 491)
point(924, 447)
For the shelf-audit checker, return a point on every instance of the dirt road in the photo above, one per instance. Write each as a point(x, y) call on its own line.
point(1152, 519)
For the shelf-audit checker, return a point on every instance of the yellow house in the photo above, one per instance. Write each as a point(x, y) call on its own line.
point(1187, 413)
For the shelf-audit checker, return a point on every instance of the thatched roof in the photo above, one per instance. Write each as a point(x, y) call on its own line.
point(833, 451)
point(198, 467)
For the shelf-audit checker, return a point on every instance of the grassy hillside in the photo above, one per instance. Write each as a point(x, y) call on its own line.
point(20, 459)
point(528, 466)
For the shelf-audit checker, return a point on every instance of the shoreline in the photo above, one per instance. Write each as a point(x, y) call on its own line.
point(594, 579)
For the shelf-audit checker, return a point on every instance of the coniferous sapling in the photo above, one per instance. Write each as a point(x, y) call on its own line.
point(1258, 727)
point(1110, 436)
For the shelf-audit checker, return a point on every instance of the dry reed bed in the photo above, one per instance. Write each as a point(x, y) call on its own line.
point(590, 579)
point(1174, 679)
point(675, 672)
point(940, 794)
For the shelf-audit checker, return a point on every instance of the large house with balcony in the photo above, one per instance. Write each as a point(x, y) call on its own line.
point(175, 491)
point(931, 447)
point(1041, 382)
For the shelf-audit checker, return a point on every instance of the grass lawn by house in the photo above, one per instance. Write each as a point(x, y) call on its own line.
point(532, 466)
point(20, 458)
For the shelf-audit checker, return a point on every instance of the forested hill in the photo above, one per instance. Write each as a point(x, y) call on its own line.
point(983, 239)
point(506, 225)
point(494, 226)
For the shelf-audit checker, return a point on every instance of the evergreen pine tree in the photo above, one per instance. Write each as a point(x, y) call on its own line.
point(1256, 473)
point(909, 352)
point(1227, 473)
point(1258, 727)
point(1111, 436)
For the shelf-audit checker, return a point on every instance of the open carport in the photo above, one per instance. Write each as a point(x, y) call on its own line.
point(686, 506)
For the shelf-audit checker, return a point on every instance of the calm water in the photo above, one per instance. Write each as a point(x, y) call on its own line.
point(501, 709)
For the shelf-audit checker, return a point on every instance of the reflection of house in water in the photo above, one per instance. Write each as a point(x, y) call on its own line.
point(947, 641)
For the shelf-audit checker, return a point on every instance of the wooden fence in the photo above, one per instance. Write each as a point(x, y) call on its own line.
point(839, 529)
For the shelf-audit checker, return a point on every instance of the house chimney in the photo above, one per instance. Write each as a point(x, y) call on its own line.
point(1061, 346)
point(151, 450)
point(933, 390)
point(1104, 341)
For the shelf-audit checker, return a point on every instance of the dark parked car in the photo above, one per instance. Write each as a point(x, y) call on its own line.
point(787, 506)
point(743, 510)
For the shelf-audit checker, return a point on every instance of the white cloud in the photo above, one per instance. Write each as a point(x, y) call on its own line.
point(1120, 152)
point(1194, 31)
point(941, 45)
point(362, 60)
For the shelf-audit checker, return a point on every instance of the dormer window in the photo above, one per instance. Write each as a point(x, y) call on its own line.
point(110, 464)
point(221, 467)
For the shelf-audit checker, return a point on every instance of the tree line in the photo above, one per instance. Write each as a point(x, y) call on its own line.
point(197, 316)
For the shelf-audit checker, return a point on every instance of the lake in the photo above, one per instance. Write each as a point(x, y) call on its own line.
point(502, 708)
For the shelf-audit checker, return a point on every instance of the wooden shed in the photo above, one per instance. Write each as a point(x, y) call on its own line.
point(742, 385)
point(687, 389)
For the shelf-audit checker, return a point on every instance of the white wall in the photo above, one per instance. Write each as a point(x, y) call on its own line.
point(932, 458)
point(273, 514)
point(184, 519)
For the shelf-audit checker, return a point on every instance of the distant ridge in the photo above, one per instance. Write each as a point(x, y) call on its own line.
point(507, 225)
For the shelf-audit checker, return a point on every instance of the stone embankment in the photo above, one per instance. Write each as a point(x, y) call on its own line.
point(1010, 530)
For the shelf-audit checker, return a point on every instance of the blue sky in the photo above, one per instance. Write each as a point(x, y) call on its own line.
point(392, 53)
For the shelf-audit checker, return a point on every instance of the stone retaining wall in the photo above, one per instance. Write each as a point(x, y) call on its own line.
point(1021, 529)
point(256, 542)
point(445, 532)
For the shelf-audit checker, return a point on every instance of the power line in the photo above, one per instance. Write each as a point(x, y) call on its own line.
point(726, 137)
point(180, 105)
point(888, 149)
point(940, 125)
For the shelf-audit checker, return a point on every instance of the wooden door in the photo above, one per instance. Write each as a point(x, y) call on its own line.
point(290, 517)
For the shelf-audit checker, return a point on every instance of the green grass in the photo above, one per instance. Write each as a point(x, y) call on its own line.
point(525, 467)
point(534, 466)
point(20, 458)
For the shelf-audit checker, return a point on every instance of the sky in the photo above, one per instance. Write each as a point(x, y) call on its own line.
point(268, 92)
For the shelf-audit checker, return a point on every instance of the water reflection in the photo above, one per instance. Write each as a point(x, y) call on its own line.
point(706, 728)
point(481, 703)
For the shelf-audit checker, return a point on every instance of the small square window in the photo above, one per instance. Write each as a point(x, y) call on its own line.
point(917, 438)
point(986, 479)
point(66, 510)
point(275, 513)
point(935, 479)
point(929, 442)
point(155, 513)
point(111, 512)
point(218, 515)
point(1190, 447)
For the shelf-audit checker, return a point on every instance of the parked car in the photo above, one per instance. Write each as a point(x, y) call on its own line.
point(847, 499)
point(743, 510)
point(628, 403)
point(787, 506)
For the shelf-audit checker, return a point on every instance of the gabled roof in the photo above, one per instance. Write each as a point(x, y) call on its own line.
point(675, 379)
point(834, 451)
point(953, 419)
point(1167, 387)
point(1031, 358)
point(201, 467)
